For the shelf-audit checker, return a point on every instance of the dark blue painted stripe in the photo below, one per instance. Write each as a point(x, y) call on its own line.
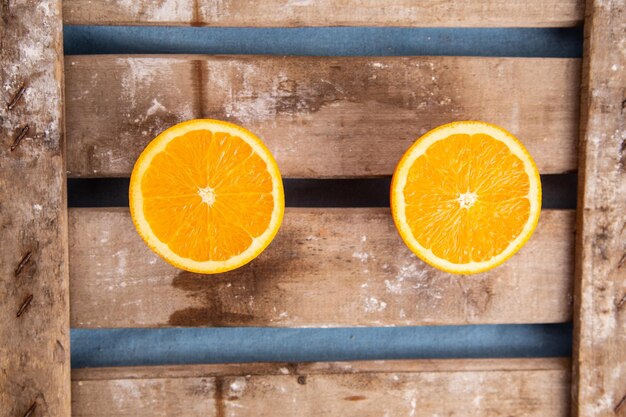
point(127, 347)
point(344, 41)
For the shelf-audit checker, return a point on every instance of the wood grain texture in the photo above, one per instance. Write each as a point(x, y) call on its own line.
point(34, 284)
point(326, 268)
point(321, 117)
point(317, 368)
point(600, 311)
point(280, 13)
point(534, 387)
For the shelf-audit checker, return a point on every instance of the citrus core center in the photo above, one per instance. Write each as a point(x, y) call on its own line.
point(207, 195)
point(467, 200)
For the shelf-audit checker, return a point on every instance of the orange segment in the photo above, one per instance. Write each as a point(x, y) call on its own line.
point(466, 196)
point(206, 196)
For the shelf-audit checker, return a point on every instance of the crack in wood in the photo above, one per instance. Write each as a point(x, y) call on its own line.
point(195, 17)
point(220, 410)
point(199, 68)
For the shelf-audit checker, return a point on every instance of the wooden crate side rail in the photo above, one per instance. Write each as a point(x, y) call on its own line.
point(34, 283)
point(600, 298)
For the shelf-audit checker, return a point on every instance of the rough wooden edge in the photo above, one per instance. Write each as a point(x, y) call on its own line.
point(310, 368)
point(599, 372)
point(34, 288)
point(429, 13)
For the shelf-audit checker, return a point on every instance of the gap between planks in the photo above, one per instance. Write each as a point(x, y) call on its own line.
point(326, 268)
point(322, 117)
point(277, 13)
point(494, 387)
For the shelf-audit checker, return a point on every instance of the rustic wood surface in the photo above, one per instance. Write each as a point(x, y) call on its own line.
point(321, 117)
point(505, 387)
point(326, 268)
point(464, 13)
point(316, 368)
point(34, 284)
point(600, 311)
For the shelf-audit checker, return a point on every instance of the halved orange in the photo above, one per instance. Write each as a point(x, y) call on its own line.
point(207, 196)
point(466, 196)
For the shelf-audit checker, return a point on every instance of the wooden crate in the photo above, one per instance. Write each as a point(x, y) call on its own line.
point(322, 118)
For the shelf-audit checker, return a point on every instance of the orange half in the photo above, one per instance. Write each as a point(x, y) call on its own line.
point(466, 196)
point(206, 196)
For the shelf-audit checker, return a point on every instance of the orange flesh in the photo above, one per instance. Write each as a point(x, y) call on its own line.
point(463, 166)
point(207, 195)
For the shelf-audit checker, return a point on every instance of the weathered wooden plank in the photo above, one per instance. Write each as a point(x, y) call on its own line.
point(321, 117)
point(34, 284)
point(600, 304)
point(326, 268)
point(533, 387)
point(464, 13)
point(317, 368)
